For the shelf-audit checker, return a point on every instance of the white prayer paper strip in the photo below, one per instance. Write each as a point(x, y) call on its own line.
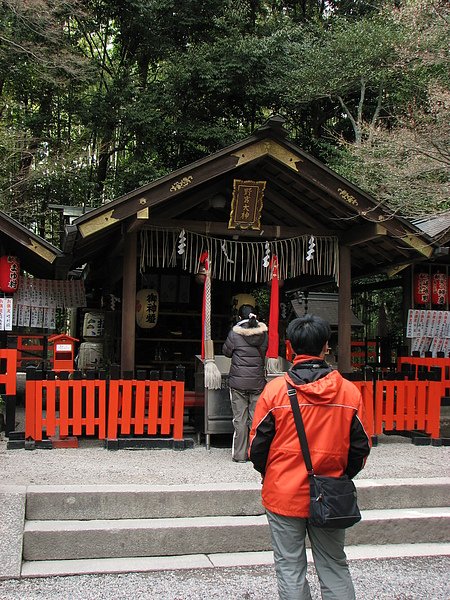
point(26, 316)
point(8, 316)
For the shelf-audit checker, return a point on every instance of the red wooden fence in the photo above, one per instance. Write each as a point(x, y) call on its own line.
point(156, 407)
point(146, 407)
point(408, 406)
point(75, 407)
point(79, 407)
point(367, 391)
point(8, 358)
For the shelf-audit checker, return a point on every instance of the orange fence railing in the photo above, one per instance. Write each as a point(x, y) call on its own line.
point(121, 407)
point(367, 391)
point(408, 406)
point(70, 407)
point(146, 407)
point(95, 407)
point(8, 362)
point(401, 405)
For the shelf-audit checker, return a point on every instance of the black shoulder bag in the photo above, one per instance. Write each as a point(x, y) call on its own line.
point(333, 500)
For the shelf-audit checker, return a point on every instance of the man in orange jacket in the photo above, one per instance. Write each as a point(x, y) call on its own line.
point(334, 422)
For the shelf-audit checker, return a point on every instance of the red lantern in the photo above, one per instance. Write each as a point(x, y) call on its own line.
point(9, 274)
point(439, 289)
point(421, 288)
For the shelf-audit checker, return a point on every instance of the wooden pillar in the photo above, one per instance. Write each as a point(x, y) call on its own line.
point(344, 312)
point(408, 301)
point(129, 303)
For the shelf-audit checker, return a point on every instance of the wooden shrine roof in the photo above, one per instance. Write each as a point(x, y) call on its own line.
point(302, 197)
point(437, 226)
point(37, 256)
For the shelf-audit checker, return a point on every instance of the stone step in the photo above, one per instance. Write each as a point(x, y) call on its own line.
point(106, 502)
point(68, 540)
point(50, 568)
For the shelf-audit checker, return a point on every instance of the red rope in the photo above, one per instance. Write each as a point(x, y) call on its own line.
point(272, 348)
point(204, 261)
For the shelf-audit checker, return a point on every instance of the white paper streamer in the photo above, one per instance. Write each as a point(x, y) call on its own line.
point(159, 249)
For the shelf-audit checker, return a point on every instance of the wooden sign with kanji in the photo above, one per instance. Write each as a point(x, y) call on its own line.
point(246, 205)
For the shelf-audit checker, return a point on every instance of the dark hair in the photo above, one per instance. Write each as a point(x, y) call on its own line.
point(308, 334)
point(245, 311)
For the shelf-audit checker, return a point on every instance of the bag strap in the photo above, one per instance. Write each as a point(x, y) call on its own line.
point(261, 353)
point(292, 393)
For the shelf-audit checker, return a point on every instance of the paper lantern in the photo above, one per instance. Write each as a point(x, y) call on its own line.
point(147, 306)
point(439, 289)
point(9, 274)
point(422, 288)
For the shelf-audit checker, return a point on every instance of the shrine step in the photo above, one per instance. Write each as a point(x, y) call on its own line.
point(104, 502)
point(49, 568)
point(68, 540)
point(119, 528)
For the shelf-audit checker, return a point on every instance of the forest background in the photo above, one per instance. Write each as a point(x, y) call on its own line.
point(99, 97)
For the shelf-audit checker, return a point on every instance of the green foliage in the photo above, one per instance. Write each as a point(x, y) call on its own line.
point(261, 295)
point(380, 309)
point(98, 97)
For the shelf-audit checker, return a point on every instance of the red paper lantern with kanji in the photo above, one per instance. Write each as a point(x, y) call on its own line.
point(9, 274)
point(422, 288)
point(439, 289)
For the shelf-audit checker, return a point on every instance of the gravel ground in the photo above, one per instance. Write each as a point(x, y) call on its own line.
point(393, 579)
point(386, 579)
point(394, 456)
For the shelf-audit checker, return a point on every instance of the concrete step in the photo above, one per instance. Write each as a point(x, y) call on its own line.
point(106, 502)
point(68, 540)
point(49, 568)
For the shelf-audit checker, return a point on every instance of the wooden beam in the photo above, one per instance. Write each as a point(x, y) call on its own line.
point(129, 303)
point(407, 297)
point(418, 244)
point(216, 228)
point(397, 269)
point(362, 233)
point(344, 310)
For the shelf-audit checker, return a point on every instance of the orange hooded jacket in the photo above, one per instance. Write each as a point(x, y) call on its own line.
point(333, 417)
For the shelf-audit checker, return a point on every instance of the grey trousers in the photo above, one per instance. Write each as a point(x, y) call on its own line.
point(327, 545)
point(243, 404)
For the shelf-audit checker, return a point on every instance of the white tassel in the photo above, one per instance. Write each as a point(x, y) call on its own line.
point(213, 377)
point(273, 366)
